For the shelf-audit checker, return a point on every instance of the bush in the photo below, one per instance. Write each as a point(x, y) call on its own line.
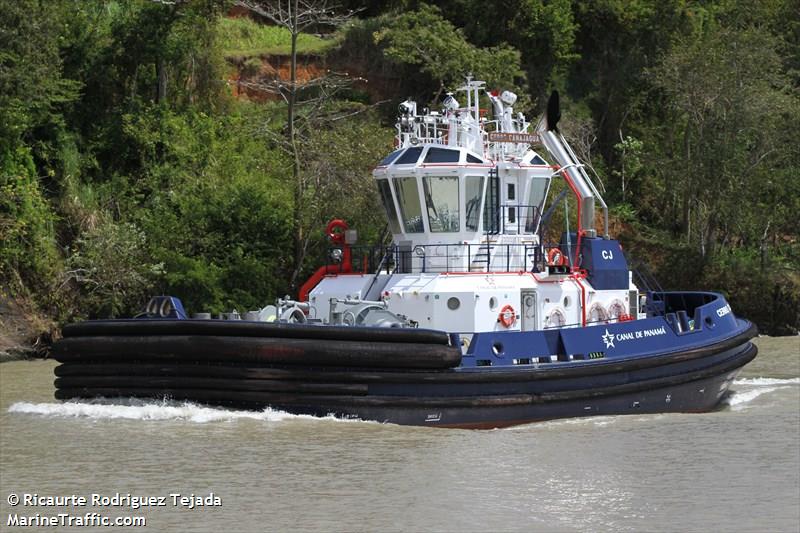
point(215, 214)
point(112, 270)
point(27, 239)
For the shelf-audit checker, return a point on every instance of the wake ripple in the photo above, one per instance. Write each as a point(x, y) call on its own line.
point(133, 409)
point(759, 382)
point(739, 399)
point(141, 410)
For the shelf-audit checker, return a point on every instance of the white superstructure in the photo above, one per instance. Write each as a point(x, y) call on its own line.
point(464, 195)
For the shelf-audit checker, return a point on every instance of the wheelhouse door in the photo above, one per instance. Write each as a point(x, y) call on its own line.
point(529, 310)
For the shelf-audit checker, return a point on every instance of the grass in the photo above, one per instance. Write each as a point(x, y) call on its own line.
point(243, 37)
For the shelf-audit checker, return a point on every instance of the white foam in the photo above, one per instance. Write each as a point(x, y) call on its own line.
point(766, 382)
point(755, 387)
point(739, 399)
point(593, 420)
point(141, 410)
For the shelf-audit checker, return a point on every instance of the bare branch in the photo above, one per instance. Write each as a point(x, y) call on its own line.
point(309, 13)
point(303, 114)
point(357, 112)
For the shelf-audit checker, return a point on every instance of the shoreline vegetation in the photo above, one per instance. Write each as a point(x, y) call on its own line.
point(150, 148)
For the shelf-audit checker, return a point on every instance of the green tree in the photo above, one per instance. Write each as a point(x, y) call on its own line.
point(542, 31)
point(425, 40)
point(726, 139)
point(304, 100)
point(617, 41)
point(32, 87)
point(342, 156)
point(213, 203)
point(33, 94)
point(28, 254)
point(112, 270)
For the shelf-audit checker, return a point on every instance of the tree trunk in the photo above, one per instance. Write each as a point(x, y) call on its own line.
point(687, 194)
point(297, 215)
point(709, 237)
point(763, 247)
point(161, 72)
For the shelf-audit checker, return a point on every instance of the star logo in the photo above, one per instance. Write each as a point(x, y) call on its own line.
point(608, 338)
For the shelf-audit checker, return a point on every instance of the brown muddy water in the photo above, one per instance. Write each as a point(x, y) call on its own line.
point(737, 469)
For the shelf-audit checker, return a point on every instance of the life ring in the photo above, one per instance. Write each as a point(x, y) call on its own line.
point(616, 310)
point(507, 316)
point(335, 230)
point(597, 313)
point(556, 258)
point(555, 319)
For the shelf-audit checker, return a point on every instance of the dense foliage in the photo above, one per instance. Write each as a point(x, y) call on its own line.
point(129, 165)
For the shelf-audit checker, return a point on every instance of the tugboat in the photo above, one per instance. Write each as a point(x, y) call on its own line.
point(471, 318)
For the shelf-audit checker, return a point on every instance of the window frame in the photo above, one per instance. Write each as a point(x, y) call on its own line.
point(401, 205)
point(431, 210)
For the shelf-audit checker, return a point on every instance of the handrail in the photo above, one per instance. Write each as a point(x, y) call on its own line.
point(386, 255)
point(449, 258)
point(522, 222)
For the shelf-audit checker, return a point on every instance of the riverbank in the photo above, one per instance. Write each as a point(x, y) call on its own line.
point(24, 333)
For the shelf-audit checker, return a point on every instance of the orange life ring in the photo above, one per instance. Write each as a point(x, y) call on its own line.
point(507, 316)
point(337, 237)
point(556, 258)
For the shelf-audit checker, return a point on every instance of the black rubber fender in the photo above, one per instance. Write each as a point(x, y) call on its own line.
point(261, 350)
point(186, 382)
point(278, 399)
point(388, 374)
point(240, 328)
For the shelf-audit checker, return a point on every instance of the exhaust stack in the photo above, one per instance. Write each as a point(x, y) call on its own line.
point(558, 147)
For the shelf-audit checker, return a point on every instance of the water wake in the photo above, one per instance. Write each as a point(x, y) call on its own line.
point(133, 409)
point(768, 382)
point(141, 410)
point(756, 387)
point(599, 421)
point(738, 399)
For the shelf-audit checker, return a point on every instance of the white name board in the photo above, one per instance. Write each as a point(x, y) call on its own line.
point(505, 137)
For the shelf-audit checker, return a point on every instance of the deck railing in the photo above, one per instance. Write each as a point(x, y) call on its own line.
point(448, 258)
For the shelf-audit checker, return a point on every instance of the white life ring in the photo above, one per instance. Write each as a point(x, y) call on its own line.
point(507, 316)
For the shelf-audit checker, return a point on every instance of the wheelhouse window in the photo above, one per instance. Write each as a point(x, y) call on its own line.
point(407, 193)
point(389, 158)
point(441, 197)
point(410, 157)
point(442, 155)
point(537, 191)
point(473, 193)
point(386, 197)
